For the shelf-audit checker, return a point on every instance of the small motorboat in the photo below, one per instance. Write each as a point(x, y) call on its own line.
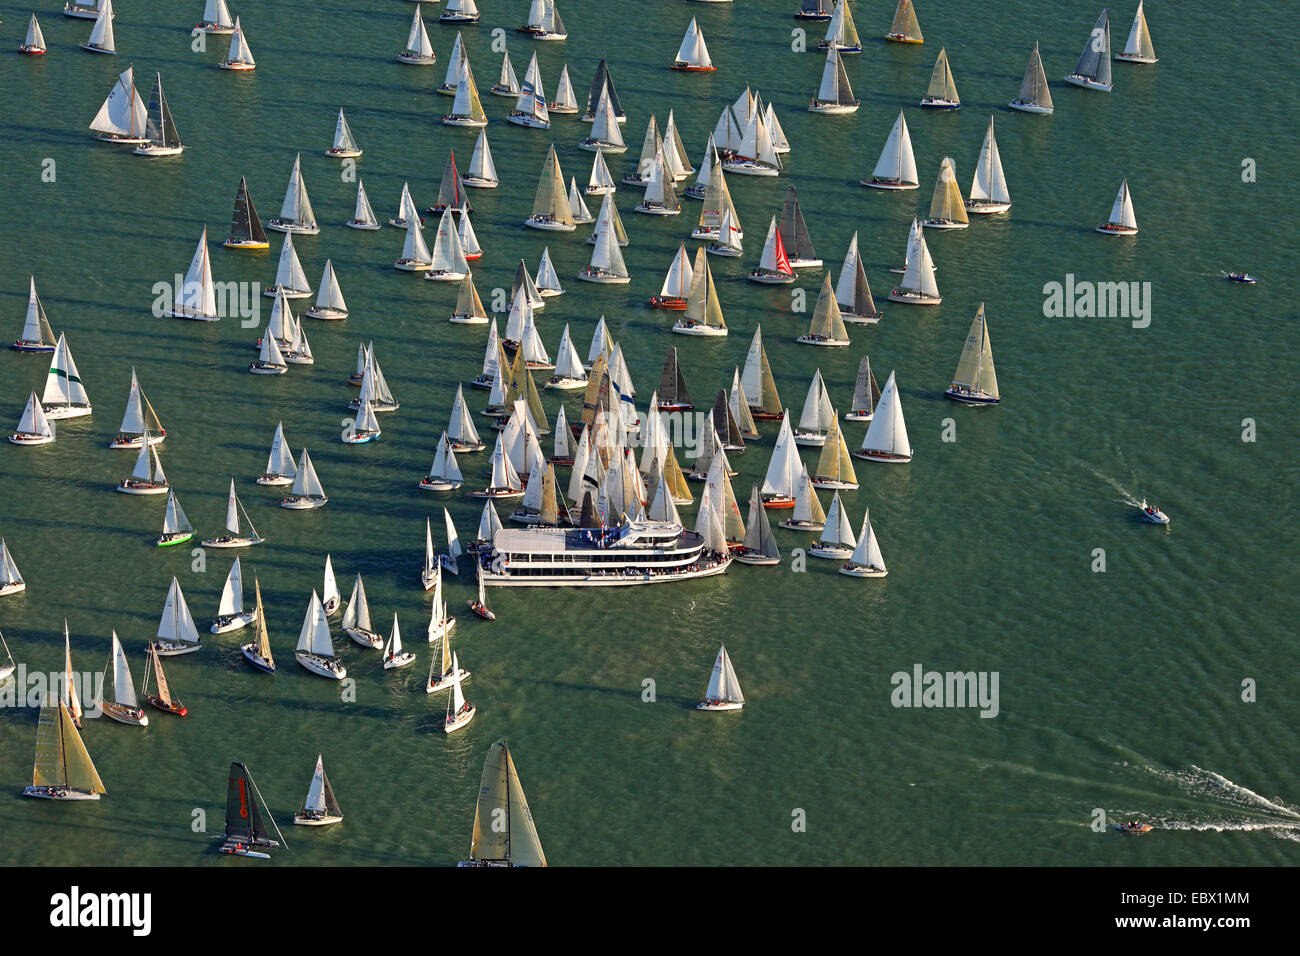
point(482, 610)
point(1134, 826)
point(1153, 514)
point(1244, 277)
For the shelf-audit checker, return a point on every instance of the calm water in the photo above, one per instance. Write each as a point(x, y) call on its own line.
point(1118, 690)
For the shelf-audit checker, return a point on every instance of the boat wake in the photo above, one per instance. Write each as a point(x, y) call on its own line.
point(1239, 808)
point(1125, 496)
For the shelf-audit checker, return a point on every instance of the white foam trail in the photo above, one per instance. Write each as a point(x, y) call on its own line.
point(1233, 798)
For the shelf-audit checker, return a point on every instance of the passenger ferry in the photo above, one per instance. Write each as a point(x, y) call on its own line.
point(635, 552)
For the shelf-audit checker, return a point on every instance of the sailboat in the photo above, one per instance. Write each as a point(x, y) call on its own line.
point(904, 28)
point(82, 9)
point(551, 205)
point(345, 144)
point(460, 11)
point(1034, 96)
point(33, 427)
point(415, 254)
point(101, 36)
point(176, 631)
point(569, 371)
point(34, 43)
point(37, 336)
point(605, 135)
point(280, 469)
point(315, 650)
point(330, 305)
point(693, 54)
point(581, 214)
point(794, 233)
point(234, 538)
point(834, 95)
point(1092, 71)
point(566, 102)
point(63, 769)
point(1122, 221)
point(507, 84)
point(459, 711)
point(547, 282)
point(429, 570)
point(866, 560)
point(450, 559)
point(817, 416)
point(258, 652)
point(447, 262)
point(826, 327)
point(356, 618)
point(738, 402)
point(703, 313)
point(216, 18)
point(270, 360)
point(603, 80)
point(866, 394)
point(673, 395)
point(917, 287)
point(814, 10)
point(231, 615)
point(451, 82)
point(504, 482)
point(1138, 49)
point(159, 129)
point(834, 466)
point(660, 196)
point(406, 210)
point(306, 493)
point(759, 546)
point(480, 606)
point(138, 420)
point(450, 195)
point(760, 386)
point(947, 208)
point(755, 153)
point(544, 23)
point(460, 430)
point(163, 699)
point(774, 266)
point(176, 526)
point(419, 51)
point(779, 482)
point(841, 33)
point(394, 656)
point(700, 188)
point(896, 167)
point(364, 215)
point(530, 108)
point(245, 227)
point(607, 265)
point(482, 172)
point(330, 597)
point(988, 191)
point(245, 829)
point(886, 438)
point(807, 514)
point(7, 667)
point(941, 94)
point(723, 692)
point(11, 581)
point(467, 109)
point(240, 55)
point(975, 382)
point(296, 214)
point(196, 298)
point(608, 214)
point(124, 707)
point(853, 292)
point(321, 808)
point(836, 539)
point(67, 687)
point(504, 833)
point(677, 283)
point(444, 474)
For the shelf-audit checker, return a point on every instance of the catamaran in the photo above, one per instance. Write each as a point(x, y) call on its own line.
point(866, 560)
point(693, 54)
point(988, 191)
point(330, 305)
point(917, 287)
point(245, 830)
point(904, 28)
point(467, 109)
point(1122, 221)
point(1034, 96)
point(530, 108)
point(216, 18)
point(834, 95)
point(759, 546)
point(1092, 72)
point(460, 11)
point(101, 36)
point(723, 692)
point(245, 227)
point(866, 394)
point(306, 493)
point(231, 615)
point(941, 94)
point(296, 214)
point(161, 138)
point(444, 474)
point(176, 526)
point(459, 711)
point(163, 699)
point(37, 336)
point(551, 205)
point(886, 438)
point(703, 313)
point(34, 43)
point(138, 420)
point(356, 618)
point(315, 650)
point(896, 167)
point(504, 832)
point(1138, 49)
point(321, 808)
point(826, 327)
point(544, 23)
point(364, 215)
point(234, 537)
point(124, 707)
point(975, 382)
point(947, 208)
point(482, 172)
point(507, 84)
point(419, 51)
point(33, 427)
point(63, 769)
point(841, 33)
point(258, 652)
point(345, 144)
point(240, 56)
point(176, 631)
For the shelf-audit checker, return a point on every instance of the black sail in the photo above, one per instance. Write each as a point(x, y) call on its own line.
point(603, 79)
point(794, 231)
point(245, 224)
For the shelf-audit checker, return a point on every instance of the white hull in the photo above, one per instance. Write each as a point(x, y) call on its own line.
point(792, 526)
point(887, 184)
point(1031, 108)
point(746, 168)
point(444, 276)
point(809, 439)
point(152, 151)
point(461, 720)
point(832, 109)
point(822, 341)
point(986, 208)
point(1135, 58)
point(476, 182)
point(862, 571)
point(770, 278)
point(21, 439)
point(58, 793)
point(416, 59)
point(527, 121)
point(826, 551)
point(882, 457)
point(718, 707)
point(295, 503)
point(273, 480)
point(1105, 230)
point(401, 660)
point(141, 488)
point(429, 483)
point(365, 638)
point(444, 682)
point(833, 483)
point(852, 318)
point(321, 821)
point(364, 226)
point(297, 228)
point(60, 412)
point(233, 622)
point(549, 225)
point(944, 224)
point(228, 541)
point(495, 579)
point(1088, 83)
point(566, 384)
point(699, 329)
point(914, 298)
point(174, 648)
point(466, 121)
point(321, 666)
point(327, 314)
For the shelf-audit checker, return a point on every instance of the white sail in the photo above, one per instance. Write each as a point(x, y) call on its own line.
point(357, 615)
point(36, 327)
point(289, 273)
point(123, 112)
point(343, 138)
point(305, 482)
point(817, 414)
point(990, 183)
point(919, 275)
point(605, 128)
point(417, 40)
point(448, 256)
point(723, 685)
point(35, 40)
point(481, 166)
point(330, 584)
point(101, 37)
point(296, 207)
point(548, 279)
point(867, 552)
point(838, 532)
point(532, 97)
point(677, 283)
point(216, 13)
point(453, 542)
point(1137, 47)
point(1121, 214)
point(330, 296)
point(783, 469)
point(177, 624)
point(232, 593)
point(452, 79)
point(314, 638)
point(123, 686)
point(241, 52)
point(897, 162)
point(508, 82)
point(197, 298)
point(414, 249)
point(887, 432)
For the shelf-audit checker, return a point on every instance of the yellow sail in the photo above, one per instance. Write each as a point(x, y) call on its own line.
point(514, 376)
point(712, 307)
point(533, 399)
point(677, 485)
point(525, 847)
point(942, 86)
point(947, 203)
point(834, 462)
point(263, 639)
point(552, 200)
point(905, 25)
point(164, 692)
point(61, 757)
point(697, 299)
point(491, 837)
point(827, 320)
point(467, 300)
point(475, 107)
point(550, 510)
point(596, 397)
point(975, 367)
point(771, 400)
